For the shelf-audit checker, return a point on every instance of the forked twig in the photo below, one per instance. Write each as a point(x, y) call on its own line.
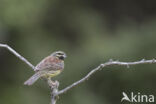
point(54, 85)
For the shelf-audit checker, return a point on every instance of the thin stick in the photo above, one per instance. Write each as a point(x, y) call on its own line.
point(17, 55)
point(102, 66)
point(54, 87)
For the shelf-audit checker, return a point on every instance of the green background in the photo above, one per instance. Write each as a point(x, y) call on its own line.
point(90, 32)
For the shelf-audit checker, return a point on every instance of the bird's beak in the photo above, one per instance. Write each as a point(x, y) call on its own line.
point(64, 55)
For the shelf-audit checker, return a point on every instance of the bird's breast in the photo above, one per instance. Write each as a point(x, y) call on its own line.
point(52, 73)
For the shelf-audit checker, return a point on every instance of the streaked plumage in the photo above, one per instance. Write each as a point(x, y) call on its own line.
point(49, 67)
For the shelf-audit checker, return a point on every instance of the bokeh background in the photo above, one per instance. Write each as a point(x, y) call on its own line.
point(90, 32)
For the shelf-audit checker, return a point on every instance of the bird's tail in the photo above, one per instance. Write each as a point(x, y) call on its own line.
point(32, 79)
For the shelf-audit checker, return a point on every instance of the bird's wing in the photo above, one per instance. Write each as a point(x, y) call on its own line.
point(44, 64)
point(50, 63)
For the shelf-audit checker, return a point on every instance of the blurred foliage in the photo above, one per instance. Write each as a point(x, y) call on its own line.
point(90, 32)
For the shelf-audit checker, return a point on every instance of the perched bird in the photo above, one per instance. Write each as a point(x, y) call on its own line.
point(49, 67)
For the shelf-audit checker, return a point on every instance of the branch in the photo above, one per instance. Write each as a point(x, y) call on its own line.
point(17, 55)
point(54, 90)
point(54, 85)
point(111, 62)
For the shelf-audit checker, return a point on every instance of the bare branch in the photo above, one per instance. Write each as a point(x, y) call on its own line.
point(17, 55)
point(54, 90)
point(54, 85)
point(143, 61)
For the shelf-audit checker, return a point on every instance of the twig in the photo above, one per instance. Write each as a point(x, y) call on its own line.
point(54, 90)
point(17, 55)
point(143, 61)
point(54, 85)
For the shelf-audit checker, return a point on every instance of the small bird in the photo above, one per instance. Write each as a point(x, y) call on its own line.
point(49, 67)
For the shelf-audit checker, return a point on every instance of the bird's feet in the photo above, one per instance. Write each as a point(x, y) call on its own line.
point(53, 84)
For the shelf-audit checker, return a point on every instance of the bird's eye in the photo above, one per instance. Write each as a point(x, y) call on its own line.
point(60, 53)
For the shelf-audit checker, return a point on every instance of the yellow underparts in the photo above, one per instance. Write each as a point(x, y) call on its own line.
point(51, 74)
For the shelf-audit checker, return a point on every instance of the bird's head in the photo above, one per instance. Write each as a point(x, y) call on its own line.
point(59, 54)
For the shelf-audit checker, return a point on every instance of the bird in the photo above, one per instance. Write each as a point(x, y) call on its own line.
point(49, 67)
